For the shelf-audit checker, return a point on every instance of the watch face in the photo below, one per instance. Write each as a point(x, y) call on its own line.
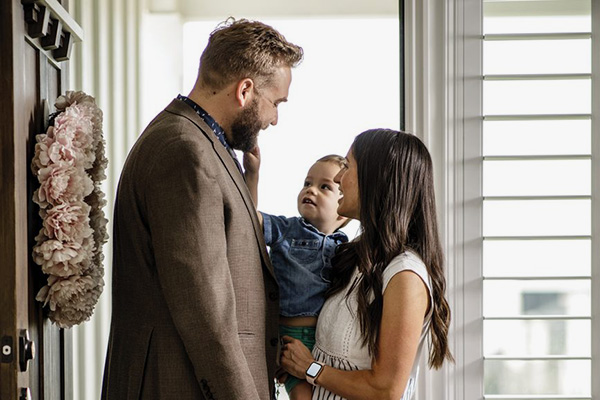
point(313, 369)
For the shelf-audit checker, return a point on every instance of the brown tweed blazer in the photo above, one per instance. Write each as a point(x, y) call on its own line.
point(195, 301)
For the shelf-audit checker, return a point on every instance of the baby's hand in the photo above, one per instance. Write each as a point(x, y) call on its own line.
point(252, 160)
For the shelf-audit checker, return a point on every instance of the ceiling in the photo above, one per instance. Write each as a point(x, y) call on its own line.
point(211, 9)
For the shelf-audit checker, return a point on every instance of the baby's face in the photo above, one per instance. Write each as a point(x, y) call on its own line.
point(318, 199)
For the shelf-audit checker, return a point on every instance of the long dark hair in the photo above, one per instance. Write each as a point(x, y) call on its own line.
point(397, 213)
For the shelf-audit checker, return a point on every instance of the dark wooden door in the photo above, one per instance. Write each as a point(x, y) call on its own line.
point(35, 42)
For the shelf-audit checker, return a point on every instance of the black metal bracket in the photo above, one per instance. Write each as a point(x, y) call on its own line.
point(7, 349)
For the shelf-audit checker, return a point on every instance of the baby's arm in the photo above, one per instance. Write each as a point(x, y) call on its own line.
point(251, 173)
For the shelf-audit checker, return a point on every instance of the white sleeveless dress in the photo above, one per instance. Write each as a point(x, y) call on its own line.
point(338, 338)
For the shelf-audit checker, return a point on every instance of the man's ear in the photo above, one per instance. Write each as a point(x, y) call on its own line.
point(244, 91)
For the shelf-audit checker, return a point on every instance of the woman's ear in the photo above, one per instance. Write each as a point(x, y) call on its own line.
point(244, 91)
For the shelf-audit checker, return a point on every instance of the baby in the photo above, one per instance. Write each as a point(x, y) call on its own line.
point(301, 249)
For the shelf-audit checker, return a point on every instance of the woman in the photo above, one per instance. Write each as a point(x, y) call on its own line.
point(387, 294)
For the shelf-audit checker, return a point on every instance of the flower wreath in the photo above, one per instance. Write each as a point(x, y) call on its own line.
point(70, 165)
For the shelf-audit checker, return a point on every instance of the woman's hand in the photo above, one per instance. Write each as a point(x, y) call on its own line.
point(252, 160)
point(251, 167)
point(295, 357)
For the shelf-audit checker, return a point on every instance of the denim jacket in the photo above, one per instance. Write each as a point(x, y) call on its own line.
point(301, 257)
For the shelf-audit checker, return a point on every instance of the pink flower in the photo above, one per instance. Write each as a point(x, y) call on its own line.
point(68, 222)
point(74, 132)
point(41, 158)
point(69, 162)
point(66, 317)
point(72, 97)
point(71, 300)
point(62, 182)
point(100, 163)
point(64, 291)
point(60, 259)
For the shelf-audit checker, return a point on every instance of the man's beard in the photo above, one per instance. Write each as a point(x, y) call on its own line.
point(245, 128)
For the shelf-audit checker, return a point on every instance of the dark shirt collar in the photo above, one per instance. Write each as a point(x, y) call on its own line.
point(216, 128)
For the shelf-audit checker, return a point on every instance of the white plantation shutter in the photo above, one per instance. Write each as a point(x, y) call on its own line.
point(505, 95)
point(537, 200)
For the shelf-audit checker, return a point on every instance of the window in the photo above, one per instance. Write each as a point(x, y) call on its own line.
point(331, 97)
point(537, 196)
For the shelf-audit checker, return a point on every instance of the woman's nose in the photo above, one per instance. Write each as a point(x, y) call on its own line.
point(338, 176)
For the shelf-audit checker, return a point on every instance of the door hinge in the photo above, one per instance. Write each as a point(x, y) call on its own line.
point(24, 394)
point(26, 349)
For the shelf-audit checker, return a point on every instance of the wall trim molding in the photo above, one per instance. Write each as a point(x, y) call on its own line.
point(443, 107)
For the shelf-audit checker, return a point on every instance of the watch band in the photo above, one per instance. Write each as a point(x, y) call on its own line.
point(313, 371)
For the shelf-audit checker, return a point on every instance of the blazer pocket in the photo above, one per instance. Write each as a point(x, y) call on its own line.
point(138, 367)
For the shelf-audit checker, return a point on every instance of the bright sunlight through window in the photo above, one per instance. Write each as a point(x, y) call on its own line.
point(347, 83)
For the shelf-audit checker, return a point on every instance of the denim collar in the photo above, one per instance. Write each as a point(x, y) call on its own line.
point(311, 227)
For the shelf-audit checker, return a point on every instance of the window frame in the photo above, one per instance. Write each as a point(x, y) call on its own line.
point(444, 107)
point(595, 312)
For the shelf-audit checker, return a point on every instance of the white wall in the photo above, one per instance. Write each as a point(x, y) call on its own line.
point(106, 65)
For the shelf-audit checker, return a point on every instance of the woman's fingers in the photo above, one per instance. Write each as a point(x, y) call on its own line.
point(287, 339)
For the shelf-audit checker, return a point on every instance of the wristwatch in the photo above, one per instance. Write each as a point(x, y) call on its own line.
point(313, 371)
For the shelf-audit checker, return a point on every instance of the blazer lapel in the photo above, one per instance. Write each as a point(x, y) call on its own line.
point(180, 108)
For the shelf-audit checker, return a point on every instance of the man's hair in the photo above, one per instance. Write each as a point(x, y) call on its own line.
point(245, 49)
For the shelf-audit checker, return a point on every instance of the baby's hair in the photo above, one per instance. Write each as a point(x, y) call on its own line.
point(334, 158)
point(340, 162)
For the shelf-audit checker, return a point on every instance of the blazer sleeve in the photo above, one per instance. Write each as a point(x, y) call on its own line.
point(186, 221)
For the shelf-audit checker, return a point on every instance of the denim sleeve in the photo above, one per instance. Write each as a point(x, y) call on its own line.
point(274, 227)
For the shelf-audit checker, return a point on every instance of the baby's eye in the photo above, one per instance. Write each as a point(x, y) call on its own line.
point(306, 183)
point(325, 186)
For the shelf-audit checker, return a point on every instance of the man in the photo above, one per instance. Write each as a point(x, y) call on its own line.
point(195, 301)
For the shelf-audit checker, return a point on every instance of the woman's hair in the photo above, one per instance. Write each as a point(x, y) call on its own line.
point(397, 213)
point(245, 49)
